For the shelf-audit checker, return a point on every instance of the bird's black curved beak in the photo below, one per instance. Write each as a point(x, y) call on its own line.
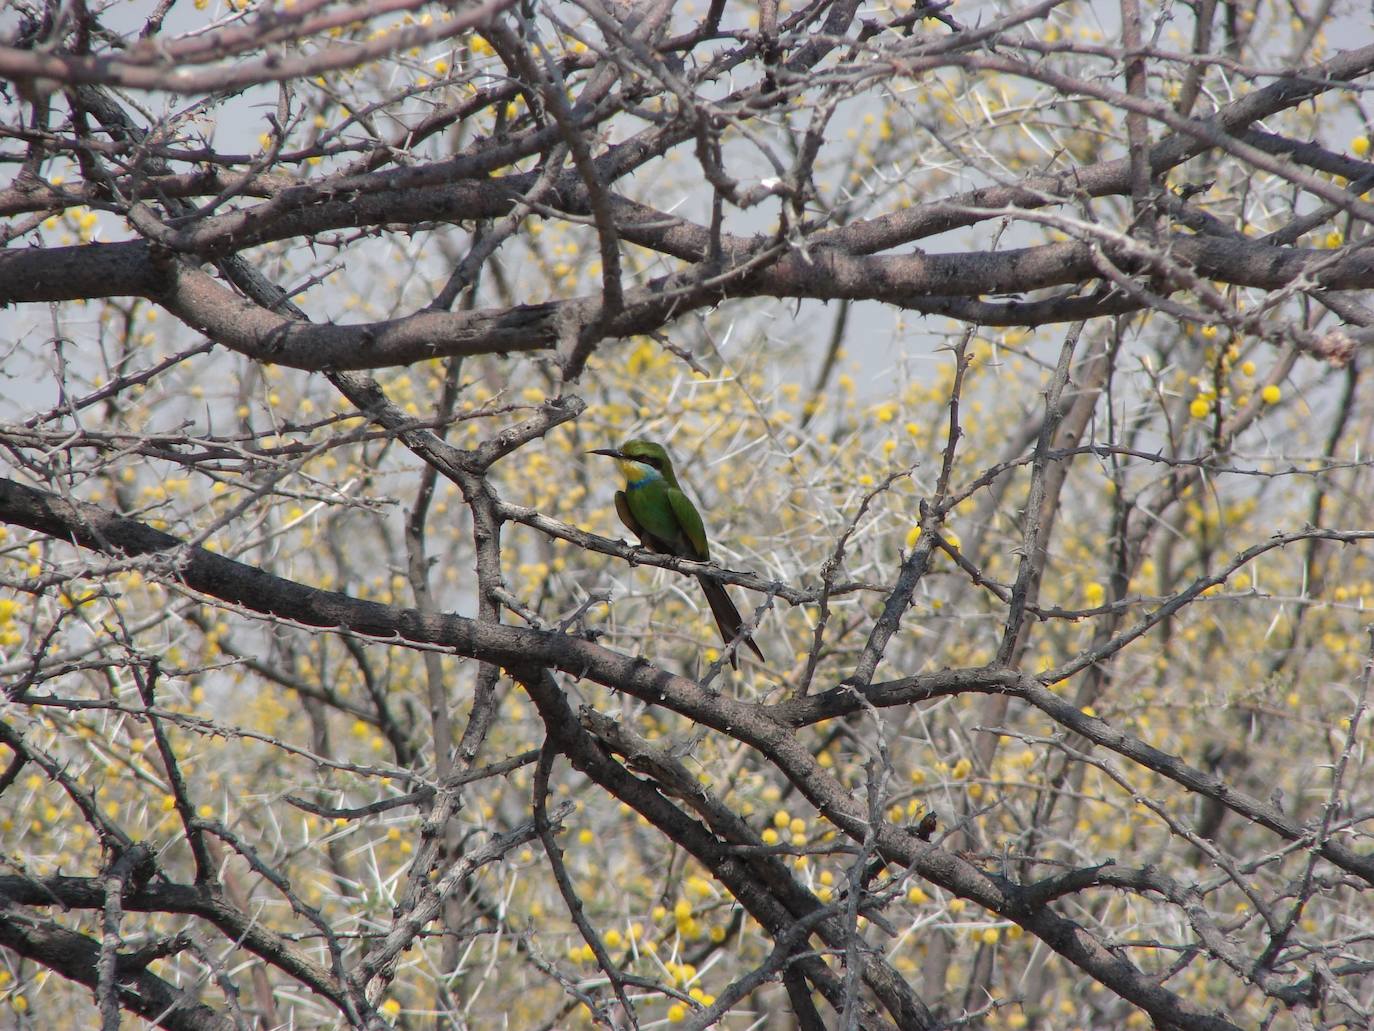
point(609, 452)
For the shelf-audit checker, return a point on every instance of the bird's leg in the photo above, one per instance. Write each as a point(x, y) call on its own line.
point(641, 548)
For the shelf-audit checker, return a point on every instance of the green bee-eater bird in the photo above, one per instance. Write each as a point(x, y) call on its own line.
point(654, 508)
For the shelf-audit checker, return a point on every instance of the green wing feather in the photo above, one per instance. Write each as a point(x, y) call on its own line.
point(690, 521)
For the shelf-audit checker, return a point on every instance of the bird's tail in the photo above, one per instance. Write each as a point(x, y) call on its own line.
point(727, 616)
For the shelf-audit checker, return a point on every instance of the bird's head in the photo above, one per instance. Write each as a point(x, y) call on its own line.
point(641, 461)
